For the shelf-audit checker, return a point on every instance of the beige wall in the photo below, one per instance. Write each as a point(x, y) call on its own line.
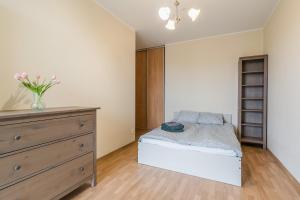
point(202, 75)
point(91, 52)
point(282, 43)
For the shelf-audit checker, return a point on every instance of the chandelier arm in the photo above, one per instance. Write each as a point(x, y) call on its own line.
point(177, 3)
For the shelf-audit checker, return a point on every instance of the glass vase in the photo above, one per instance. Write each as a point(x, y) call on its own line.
point(38, 103)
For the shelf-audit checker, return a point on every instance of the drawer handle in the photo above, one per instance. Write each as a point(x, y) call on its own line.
point(81, 125)
point(17, 167)
point(81, 145)
point(17, 137)
point(81, 169)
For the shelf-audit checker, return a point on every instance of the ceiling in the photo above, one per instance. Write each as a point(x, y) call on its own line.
point(217, 17)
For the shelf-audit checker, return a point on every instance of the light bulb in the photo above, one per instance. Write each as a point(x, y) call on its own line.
point(194, 13)
point(170, 25)
point(164, 13)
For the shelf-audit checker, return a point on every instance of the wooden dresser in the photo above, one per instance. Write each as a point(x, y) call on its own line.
point(46, 154)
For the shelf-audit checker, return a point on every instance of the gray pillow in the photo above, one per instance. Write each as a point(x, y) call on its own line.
point(210, 118)
point(187, 116)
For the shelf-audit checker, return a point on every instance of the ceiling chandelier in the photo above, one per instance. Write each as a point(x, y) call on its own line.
point(165, 14)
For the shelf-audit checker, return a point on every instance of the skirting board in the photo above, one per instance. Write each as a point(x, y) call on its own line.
point(226, 169)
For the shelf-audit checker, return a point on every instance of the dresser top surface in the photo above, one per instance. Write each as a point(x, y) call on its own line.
point(9, 114)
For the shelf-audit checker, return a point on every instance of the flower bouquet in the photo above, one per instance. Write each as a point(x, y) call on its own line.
point(37, 87)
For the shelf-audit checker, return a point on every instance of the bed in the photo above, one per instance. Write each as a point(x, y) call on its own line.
point(209, 151)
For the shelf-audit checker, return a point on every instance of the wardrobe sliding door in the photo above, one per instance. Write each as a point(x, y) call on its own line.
point(155, 87)
point(141, 91)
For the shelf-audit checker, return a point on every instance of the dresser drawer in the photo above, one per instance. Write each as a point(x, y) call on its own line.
point(18, 136)
point(26, 163)
point(53, 182)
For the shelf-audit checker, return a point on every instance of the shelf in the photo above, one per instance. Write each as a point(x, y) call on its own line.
point(253, 85)
point(253, 72)
point(252, 98)
point(252, 140)
point(252, 124)
point(252, 110)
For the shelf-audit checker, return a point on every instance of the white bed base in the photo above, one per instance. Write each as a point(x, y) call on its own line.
point(217, 167)
point(223, 168)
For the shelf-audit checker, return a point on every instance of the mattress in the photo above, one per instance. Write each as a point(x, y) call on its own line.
point(215, 139)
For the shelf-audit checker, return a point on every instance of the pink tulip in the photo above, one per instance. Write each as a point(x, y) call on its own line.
point(38, 77)
point(18, 76)
point(53, 77)
point(24, 75)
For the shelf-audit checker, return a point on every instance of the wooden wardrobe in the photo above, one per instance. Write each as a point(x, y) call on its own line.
point(150, 78)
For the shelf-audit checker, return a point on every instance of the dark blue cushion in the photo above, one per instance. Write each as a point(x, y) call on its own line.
point(172, 127)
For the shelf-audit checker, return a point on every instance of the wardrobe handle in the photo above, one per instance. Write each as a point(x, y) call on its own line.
point(81, 169)
point(81, 145)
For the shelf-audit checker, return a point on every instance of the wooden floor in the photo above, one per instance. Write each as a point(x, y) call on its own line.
point(120, 177)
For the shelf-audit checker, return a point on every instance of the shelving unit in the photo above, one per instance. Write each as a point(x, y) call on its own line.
point(253, 88)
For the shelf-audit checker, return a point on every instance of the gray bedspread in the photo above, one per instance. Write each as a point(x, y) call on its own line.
point(201, 135)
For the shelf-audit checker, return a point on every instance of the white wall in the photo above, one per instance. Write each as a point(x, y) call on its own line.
point(202, 75)
point(282, 43)
point(91, 52)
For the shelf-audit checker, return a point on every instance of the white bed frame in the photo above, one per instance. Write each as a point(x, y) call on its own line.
point(217, 167)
